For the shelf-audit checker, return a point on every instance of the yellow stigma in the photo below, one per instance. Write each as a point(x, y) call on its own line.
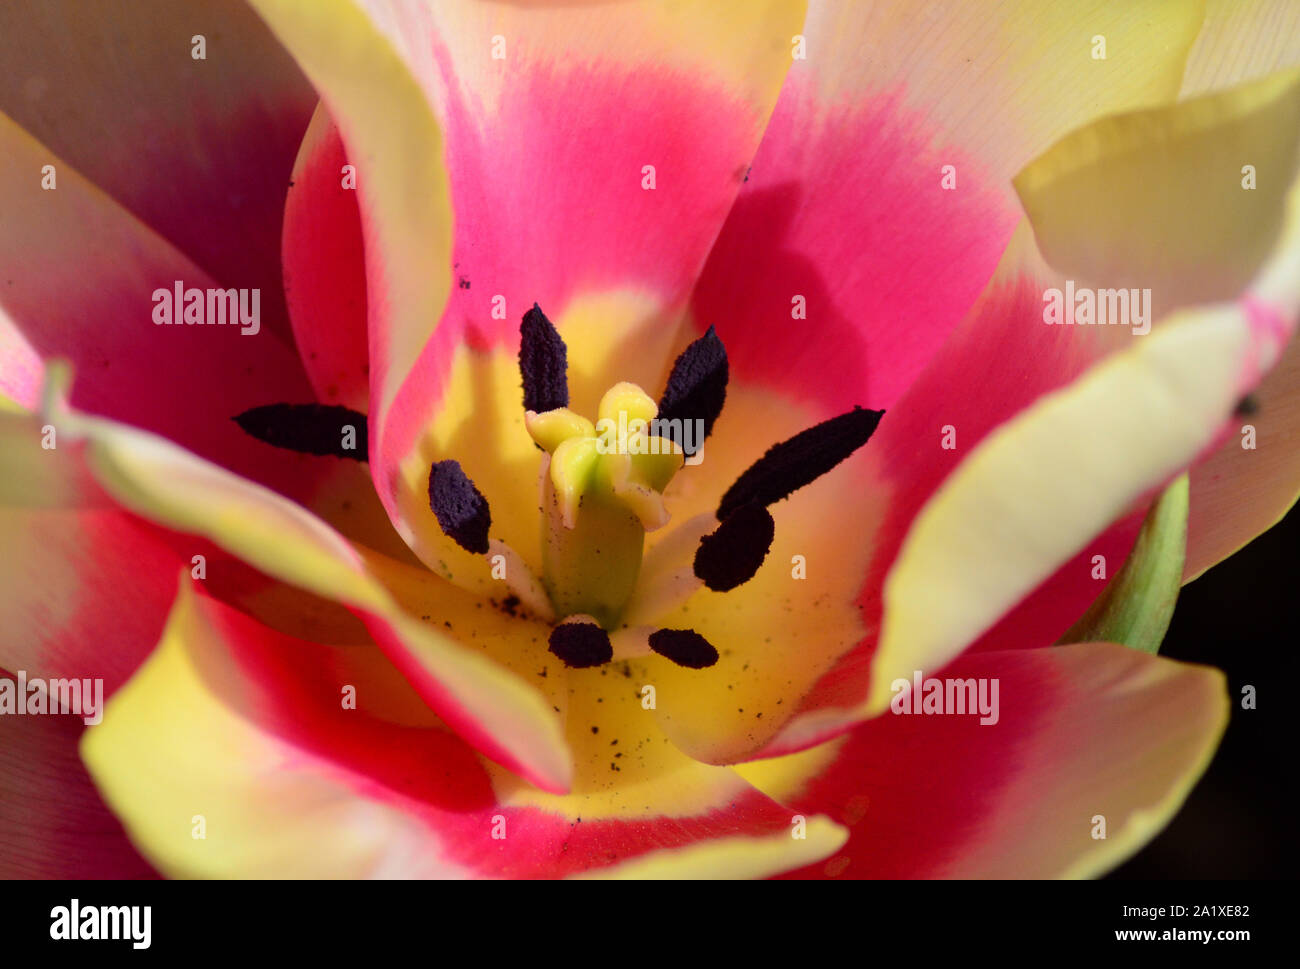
point(552, 428)
point(618, 456)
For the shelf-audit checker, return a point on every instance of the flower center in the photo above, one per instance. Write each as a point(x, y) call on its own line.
point(602, 488)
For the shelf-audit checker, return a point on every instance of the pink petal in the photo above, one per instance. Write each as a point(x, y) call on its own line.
point(324, 269)
point(53, 823)
point(1082, 731)
point(198, 150)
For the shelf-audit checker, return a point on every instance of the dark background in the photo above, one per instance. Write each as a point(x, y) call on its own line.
point(1241, 819)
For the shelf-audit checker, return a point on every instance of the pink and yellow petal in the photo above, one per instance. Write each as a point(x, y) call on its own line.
point(1046, 613)
point(817, 110)
point(1250, 482)
point(21, 370)
point(731, 856)
point(780, 632)
point(639, 807)
point(116, 90)
point(310, 788)
point(82, 273)
point(67, 614)
point(233, 753)
point(1009, 77)
point(998, 525)
point(1233, 499)
point(81, 276)
point(1258, 119)
point(401, 186)
point(911, 465)
point(66, 610)
point(546, 161)
point(499, 713)
point(879, 202)
point(1094, 749)
point(403, 200)
point(1226, 212)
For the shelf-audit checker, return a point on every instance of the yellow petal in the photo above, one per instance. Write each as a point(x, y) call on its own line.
point(1185, 201)
point(220, 767)
point(1240, 41)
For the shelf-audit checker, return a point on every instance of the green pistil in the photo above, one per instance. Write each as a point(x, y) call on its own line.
point(592, 567)
point(602, 491)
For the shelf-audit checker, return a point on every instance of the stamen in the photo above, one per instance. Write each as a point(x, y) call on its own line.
point(667, 577)
point(697, 388)
point(801, 460)
point(543, 363)
point(732, 554)
point(685, 647)
point(319, 429)
point(578, 642)
point(522, 582)
point(461, 510)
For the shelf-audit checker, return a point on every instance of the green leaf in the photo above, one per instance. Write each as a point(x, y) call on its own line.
point(1135, 608)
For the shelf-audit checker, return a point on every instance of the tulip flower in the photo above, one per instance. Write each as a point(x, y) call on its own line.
point(721, 439)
